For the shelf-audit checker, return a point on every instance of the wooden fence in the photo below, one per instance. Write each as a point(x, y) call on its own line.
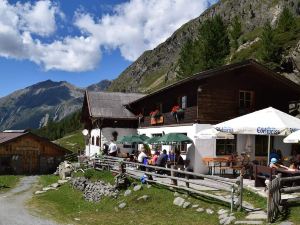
point(179, 179)
point(278, 186)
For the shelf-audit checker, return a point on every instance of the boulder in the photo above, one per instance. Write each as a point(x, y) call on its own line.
point(200, 210)
point(127, 192)
point(39, 192)
point(137, 187)
point(186, 204)
point(178, 201)
point(55, 185)
point(122, 205)
point(209, 211)
point(144, 197)
point(62, 181)
point(195, 206)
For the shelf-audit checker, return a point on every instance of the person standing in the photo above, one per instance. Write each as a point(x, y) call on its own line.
point(112, 149)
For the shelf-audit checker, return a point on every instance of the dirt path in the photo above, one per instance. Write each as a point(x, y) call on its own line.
point(12, 205)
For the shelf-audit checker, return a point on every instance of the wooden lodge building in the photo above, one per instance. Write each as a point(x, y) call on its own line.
point(104, 114)
point(22, 152)
point(210, 97)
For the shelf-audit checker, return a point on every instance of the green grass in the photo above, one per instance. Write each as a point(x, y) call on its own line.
point(73, 141)
point(8, 181)
point(66, 204)
point(98, 175)
point(253, 198)
point(45, 180)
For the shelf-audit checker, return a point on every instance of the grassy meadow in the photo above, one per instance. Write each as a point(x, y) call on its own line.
point(7, 182)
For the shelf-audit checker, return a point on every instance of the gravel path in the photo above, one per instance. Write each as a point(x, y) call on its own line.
point(12, 205)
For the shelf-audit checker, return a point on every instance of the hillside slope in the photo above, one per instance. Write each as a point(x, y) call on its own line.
point(157, 68)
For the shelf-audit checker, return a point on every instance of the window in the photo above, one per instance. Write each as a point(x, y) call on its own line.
point(98, 141)
point(261, 145)
point(93, 140)
point(156, 135)
point(225, 146)
point(246, 99)
point(182, 102)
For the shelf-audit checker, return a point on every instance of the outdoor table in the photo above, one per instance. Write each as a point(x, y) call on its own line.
point(213, 162)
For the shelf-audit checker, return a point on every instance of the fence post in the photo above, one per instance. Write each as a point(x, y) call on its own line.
point(174, 181)
point(232, 198)
point(187, 184)
point(241, 192)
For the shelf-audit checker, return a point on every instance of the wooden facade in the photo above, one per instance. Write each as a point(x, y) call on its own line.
point(29, 154)
point(218, 95)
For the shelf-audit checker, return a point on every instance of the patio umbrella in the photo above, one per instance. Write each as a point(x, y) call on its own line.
point(293, 137)
point(269, 121)
point(174, 138)
point(153, 140)
point(212, 133)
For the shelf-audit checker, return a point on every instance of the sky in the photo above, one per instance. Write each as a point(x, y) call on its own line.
point(82, 41)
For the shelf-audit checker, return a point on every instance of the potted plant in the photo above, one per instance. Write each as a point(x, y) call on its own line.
point(155, 114)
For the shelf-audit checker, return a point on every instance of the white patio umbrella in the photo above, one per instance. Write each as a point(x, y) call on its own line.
point(293, 137)
point(212, 133)
point(269, 121)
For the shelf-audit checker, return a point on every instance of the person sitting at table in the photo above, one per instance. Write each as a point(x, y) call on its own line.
point(279, 153)
point(274, 164)
point(232, 159)
point(153, 160)
point(162, 159)
point(179, 160)
point(273, 154)
point(171, 156)
point(293, 165)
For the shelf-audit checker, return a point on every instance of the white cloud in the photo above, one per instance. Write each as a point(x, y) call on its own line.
point(133, 27)
point(140, 25)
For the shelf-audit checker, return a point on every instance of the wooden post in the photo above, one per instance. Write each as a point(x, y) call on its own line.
point(187, 184)
point(174, 182)
point(232, 198)
point(241, 192)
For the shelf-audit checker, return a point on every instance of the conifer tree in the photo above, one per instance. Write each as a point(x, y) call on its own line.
point(286, 21)
point(208, 51)
point(235, 31)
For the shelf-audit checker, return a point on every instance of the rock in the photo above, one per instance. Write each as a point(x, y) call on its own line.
point(127, 192)
point(65, 169)
point(77, 219)
point(227, 220)
point(222, 216)
point(48, 188)
point(195, 206)
point(62, 181)
point(257, 216)
point(186, 204)
point(209, 211)
point(122, 205)
point(137, 187)
point(178, 201)
point(200, 210)
point(149, 185)
point(222, 211)
point(286, 223)
point(144, 197)
point(55, 185)
point(176, 194)
point(39, 192)
point(250, 222)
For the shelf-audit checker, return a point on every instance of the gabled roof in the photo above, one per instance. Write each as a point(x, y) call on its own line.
point(110, 104)
point(220, 70)
point(10, 136)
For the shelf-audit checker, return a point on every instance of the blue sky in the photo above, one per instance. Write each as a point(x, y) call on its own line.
point(82, 41)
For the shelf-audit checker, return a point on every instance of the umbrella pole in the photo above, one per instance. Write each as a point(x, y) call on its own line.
point(269, 147)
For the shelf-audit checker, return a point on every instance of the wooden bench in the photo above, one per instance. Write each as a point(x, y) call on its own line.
point(263, 173)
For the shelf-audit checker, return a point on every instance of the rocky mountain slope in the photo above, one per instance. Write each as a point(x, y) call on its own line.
point(33, 106)
point(156, 68)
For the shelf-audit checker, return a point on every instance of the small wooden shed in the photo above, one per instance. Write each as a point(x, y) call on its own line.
point(22, 152)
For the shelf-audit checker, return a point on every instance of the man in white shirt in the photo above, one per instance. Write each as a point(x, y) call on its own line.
point(141, 156)
point(112, 149)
